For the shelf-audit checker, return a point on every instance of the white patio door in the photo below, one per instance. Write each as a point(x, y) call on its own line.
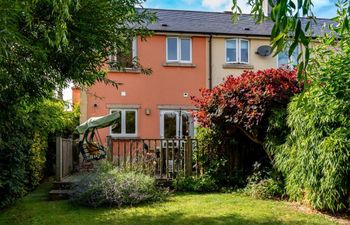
point(176, 124)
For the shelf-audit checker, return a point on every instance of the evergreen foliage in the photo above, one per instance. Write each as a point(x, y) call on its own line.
point(44, 45)
point(110, 186)
point(315, 157)
point(245, 102)
point(23, 145)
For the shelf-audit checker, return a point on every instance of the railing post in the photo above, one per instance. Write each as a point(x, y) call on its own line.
point(188, 157)
point(110, 149)
point(161, 158)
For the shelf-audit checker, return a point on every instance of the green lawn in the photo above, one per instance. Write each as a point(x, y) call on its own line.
point(182, 209)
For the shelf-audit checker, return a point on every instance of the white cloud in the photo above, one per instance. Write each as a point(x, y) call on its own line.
point(214, 4)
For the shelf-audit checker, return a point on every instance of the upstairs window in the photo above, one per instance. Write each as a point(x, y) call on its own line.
point(284, 61)
point(178, 50)
point(237, 51)
point(126, 125)
point(125, 58)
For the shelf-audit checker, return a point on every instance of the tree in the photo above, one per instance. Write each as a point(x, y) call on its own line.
point(293, 22)
point(316, 153)
point(44, 44)
point(245, 102)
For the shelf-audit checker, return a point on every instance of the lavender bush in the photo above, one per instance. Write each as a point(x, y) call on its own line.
point(114, 187)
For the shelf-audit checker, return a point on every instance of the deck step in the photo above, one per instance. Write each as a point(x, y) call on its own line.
point(63, 185)
point(164, 183)
point(60, 194)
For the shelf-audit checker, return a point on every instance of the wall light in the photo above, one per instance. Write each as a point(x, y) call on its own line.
point(148, 111)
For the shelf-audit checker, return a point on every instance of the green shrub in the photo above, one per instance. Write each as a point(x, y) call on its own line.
point(264, 184)
point(195, 184)
point(265, 189)
point(23, 144)
point(212, 157)
point(315, 159)
point(237, 114)
point(113, 187)
point(36, 160)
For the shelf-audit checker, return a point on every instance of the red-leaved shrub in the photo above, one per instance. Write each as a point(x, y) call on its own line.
point(244, 102)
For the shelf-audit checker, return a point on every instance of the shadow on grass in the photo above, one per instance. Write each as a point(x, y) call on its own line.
point(177, 218)
point(184, 209)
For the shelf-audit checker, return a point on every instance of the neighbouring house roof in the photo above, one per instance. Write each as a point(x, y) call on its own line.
point(183, 21)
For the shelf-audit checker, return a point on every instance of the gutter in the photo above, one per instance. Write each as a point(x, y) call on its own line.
point(210, 63)
point(209, 33)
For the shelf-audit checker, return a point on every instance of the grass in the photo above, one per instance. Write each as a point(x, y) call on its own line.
point(185, 209)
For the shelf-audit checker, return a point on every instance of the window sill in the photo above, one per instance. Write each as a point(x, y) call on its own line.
point(122, 106)
point(237, 66)
point(125, 70)
point(114, 137)
point(178, 64)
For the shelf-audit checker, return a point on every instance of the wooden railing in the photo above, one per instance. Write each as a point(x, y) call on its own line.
point(165, 158)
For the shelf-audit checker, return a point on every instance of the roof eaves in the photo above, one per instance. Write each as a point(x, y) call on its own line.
point(208, 33)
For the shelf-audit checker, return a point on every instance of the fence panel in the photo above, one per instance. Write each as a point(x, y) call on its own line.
point(64, 157)
point(67, 155)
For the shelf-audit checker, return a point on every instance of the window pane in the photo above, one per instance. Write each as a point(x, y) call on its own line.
point(244, 51)
point(170, 125)
point(130, 122)
point(117, 127)
point(185, 49)
point(112, 61)
point(231, 51)
point(283, 59)
point(293, 60)
point(186, 125)
point(124, 57)
point(172, 48)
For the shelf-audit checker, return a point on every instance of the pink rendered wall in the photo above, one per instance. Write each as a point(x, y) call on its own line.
point(165, 86)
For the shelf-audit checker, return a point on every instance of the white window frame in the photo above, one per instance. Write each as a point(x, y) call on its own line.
point(178, 50)
point(232, 39)
point(238, 50)
point(178, 122)
point(123, 125)
point(113, 58)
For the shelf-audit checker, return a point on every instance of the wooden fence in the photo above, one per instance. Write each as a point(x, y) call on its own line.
point(64, 157)
point(165, 158)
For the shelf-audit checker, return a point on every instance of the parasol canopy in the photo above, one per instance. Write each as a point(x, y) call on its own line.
point(98, 122)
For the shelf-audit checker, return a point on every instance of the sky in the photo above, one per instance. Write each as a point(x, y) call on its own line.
point(322, 8)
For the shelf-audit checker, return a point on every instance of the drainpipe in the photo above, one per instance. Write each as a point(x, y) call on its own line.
point(210, 63)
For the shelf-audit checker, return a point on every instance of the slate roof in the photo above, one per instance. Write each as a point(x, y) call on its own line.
point(183, 21)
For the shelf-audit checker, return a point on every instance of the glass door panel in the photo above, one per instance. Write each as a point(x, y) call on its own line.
point(185, 125)
point(170, 125)
point(176, 124)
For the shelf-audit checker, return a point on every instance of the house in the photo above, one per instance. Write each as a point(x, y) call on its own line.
point(188, 51)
